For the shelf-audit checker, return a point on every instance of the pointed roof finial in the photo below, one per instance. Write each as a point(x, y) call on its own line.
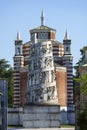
point(66, 36)
point(42, 18)
point(18, 36)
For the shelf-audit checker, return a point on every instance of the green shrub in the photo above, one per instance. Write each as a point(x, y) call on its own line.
point(82, 120)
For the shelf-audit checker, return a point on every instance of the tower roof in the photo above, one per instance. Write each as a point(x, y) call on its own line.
point(66, 36)
point(42, 18)
point(18, 36)
point(42, 27)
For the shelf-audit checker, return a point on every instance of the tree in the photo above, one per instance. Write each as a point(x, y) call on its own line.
point(82, 120)
point(82, 106)
point(79, 63)
point(81, 92)
point(6, 72)
point(4, 66)
point(10, 87)
point(82, 80)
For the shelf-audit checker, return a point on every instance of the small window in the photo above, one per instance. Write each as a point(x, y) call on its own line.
point(67, 49)
point(18, 50)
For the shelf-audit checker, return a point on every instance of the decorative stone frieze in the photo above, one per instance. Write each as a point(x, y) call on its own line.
point(41, 87)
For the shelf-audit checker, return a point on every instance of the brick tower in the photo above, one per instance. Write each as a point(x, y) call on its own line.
point(68, 63)
point(18, 63)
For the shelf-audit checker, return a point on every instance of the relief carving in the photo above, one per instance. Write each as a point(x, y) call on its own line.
point(28, 98)
point(36, 63)
point(53, 76)
point(50, 48)
point(32, 51)
point(39, 76)
point(44, 49)
point(38, 94)
point(51, 92)
point(30, 65)
point(48, 62)
point(45, 77)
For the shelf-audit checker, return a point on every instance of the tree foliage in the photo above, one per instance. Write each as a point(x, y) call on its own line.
point(79, 63)
point(82, 120)
point(82, 116)
point(82, 80)
point(6, 72)
point(80, 93)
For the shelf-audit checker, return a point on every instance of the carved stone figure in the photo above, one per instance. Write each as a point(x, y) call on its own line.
point(32, 50)
point(44, 49)
point(53, 75)
point(41, 73)
point(48, 62)
point(50, 48)
point(51, 92)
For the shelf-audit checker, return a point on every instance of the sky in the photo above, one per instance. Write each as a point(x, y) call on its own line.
point(23, 15)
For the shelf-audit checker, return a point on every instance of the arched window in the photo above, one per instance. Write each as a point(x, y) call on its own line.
point(67, 49)
point(18, 50)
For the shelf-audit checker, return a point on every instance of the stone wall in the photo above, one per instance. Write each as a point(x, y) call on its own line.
point(15, 117)
point(42, 116)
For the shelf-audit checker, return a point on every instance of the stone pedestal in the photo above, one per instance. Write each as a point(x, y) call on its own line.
point(41, 116)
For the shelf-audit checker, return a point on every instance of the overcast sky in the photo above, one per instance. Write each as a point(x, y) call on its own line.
point(23, 15)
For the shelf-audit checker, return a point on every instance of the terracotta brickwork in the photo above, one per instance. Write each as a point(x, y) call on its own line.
point(60, 81)
point(23, 85)
point(52, 35)
point(61, 86)
point(21, 59)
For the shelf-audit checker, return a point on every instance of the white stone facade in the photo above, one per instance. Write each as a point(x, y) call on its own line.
point(41, 86)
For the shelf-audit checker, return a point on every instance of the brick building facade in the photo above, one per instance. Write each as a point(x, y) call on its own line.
point(61, 85)
point(63, 61)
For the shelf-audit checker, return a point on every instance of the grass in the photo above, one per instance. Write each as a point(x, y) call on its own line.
point(63, 126)
point(12, 126)
point(67, 126)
